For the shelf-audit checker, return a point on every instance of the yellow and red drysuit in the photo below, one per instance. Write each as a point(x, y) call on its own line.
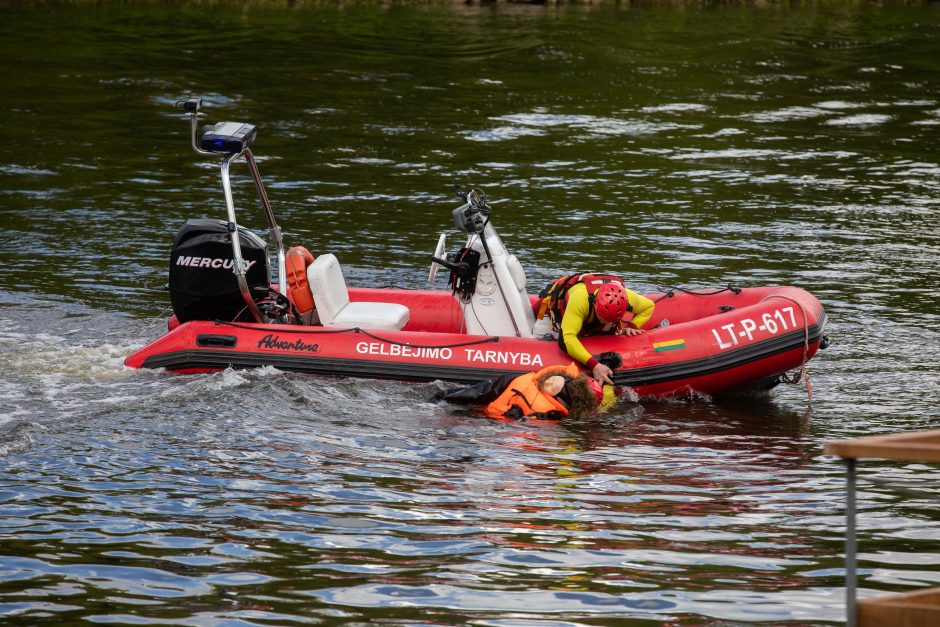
point(578, 318)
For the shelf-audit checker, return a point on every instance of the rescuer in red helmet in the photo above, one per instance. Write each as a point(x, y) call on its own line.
point(592, 304)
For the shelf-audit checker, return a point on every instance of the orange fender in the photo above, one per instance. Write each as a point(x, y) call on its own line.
point(295, 263)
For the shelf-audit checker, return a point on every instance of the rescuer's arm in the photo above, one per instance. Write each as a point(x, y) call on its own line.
point(571, 323)
point(642, 308)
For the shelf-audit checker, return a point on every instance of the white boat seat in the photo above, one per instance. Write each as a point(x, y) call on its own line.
point(332, 300)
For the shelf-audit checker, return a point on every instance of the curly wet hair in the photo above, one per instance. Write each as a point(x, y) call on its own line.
point(576, 394)
point(583, 401)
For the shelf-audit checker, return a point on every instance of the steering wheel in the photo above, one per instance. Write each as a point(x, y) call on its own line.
point(438, 254)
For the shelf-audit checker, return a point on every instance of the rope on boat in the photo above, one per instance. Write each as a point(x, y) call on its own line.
point(802, 373)
point(485, 340)
point(792, 379)
point(671, 291)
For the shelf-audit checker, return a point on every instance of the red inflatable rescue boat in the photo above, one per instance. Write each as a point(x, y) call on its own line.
point(228, 314)
point(714, 343)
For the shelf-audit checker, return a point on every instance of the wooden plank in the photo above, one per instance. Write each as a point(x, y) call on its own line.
point(915, 446)
point(920, 608)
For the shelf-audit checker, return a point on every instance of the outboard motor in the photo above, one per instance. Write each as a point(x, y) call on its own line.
point(202, 284)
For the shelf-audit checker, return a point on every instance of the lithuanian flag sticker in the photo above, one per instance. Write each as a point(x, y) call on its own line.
point(671, 345)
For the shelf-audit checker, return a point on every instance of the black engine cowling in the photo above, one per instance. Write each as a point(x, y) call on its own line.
point(202, 282)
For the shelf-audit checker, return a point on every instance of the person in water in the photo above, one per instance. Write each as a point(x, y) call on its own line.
point(553, 392)
point(592, 304)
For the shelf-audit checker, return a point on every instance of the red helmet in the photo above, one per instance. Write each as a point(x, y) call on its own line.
point(597, 388)
point(610, 302)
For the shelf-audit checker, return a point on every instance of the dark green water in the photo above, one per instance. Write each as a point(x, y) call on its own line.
point(683, 146)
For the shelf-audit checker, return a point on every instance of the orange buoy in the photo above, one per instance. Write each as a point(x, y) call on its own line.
point(296, 262)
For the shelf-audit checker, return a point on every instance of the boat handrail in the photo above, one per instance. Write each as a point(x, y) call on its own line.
point(192, 106)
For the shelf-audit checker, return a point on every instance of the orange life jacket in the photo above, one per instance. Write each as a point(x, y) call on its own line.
point(295, 265)
point(555, 297)
point(525, 394)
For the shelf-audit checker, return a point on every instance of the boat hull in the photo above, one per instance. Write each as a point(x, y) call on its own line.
point(713, 343)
